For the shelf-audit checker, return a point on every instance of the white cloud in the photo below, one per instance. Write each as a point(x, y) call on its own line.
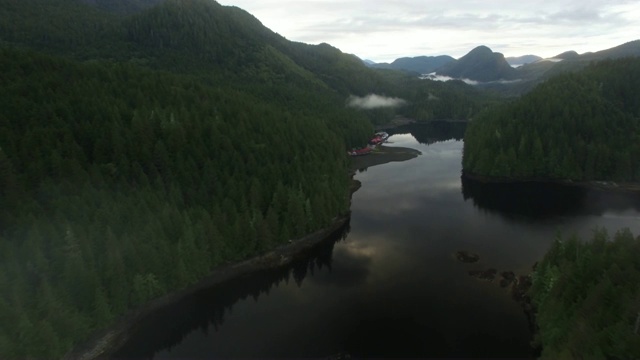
point(385, 30)
point(373, 101)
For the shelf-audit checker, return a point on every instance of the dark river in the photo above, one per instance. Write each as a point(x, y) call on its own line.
point(389, 286)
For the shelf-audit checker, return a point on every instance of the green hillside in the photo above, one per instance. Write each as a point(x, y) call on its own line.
point(578, 126)
point(120, 184)
point(587, 295)
point(131, 166)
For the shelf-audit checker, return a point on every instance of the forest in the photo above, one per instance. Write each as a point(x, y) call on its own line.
point(587, 296)
point(120, 184)
point(576, 126)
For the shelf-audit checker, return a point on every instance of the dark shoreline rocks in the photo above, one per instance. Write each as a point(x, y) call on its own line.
point(518, 287)
point(606, 186)
point(466, 256)
point(508, 277)
point(488, 274)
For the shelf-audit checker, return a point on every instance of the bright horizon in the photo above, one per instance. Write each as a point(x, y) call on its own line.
point(383, 31)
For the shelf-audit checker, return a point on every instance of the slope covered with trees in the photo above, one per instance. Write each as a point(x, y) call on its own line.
point(120, 184)
point(588, 298)
point(578, 126)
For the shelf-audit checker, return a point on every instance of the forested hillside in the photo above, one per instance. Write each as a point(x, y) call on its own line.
point(587, 295)
point(578, 126)
point(120, 184)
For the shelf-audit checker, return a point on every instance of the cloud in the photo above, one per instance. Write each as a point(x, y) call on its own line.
point(444, 78)
point(373, 101)
point(383, 30)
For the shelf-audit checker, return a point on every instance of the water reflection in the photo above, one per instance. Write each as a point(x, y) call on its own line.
point(206, 309)
point(540, 201)
point(433, 131)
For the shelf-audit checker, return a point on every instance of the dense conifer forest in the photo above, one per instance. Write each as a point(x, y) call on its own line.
point(577, 126)
point(588, 295)
point(120, 184)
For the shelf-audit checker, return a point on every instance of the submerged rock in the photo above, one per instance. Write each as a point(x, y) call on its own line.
point(507, 278)
point(339, 356)
point(467, 257)
point(488, 274)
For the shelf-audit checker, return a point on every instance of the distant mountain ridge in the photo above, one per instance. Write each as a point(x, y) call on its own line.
point(521, 60)
point(567, 55)
point(483, 65)
point(570, 61)
point(480, 64)
point(418, 64)
point(628, 49)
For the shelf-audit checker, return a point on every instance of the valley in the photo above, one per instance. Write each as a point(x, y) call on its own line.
point(149, 146)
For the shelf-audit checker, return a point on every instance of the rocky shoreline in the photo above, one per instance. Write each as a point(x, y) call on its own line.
point(518, 285)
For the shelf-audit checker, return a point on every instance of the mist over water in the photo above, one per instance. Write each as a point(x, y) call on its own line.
point(390, 286)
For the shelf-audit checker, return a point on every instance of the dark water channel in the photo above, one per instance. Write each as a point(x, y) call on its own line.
point(390, 286)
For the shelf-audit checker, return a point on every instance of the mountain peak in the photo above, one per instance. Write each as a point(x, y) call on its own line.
point(521, 60)
point(480, 64)
point(418, 64)
point(482, 49)
point(567, 55)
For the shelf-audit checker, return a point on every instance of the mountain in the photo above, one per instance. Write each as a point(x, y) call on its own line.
point(480, 64)
point(190, 36)
point(567, 55)
point(418, 64)
point(521, 60)
point(572, 61)
point(531, 74)
point(631, 48)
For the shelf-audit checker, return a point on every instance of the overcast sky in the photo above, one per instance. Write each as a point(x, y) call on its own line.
point(383, 30)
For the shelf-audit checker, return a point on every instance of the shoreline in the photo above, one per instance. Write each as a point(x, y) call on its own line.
point(606, 186)
point(382, 155)
point(103, 343)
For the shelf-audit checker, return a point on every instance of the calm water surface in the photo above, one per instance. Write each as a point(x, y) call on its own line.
point(390, 285)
